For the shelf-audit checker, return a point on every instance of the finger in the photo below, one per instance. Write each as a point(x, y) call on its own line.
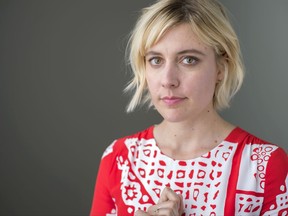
point(164, 212)
point(175, 204)
point(164, 208)
point(168, 194)
point(141, 213)
point(153, 210)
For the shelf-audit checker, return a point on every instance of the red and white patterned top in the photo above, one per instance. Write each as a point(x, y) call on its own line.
point(241, 176)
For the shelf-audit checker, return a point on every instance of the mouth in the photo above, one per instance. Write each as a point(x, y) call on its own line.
point(174, 100)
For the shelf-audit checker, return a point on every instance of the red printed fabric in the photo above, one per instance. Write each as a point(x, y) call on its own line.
point(241, 176)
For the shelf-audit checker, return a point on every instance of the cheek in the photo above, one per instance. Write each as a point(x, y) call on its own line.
point(151, 85)
point(201, 85)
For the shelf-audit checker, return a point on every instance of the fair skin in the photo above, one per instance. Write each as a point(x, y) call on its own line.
point(181, 74)
point(169, 204)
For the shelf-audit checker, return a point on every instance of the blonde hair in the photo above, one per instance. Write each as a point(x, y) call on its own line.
point(209, 22)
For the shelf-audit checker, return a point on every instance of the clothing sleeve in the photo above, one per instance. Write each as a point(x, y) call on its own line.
point(276, 185)
point(103, 204)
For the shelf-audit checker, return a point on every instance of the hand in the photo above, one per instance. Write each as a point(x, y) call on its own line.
point(169, 204)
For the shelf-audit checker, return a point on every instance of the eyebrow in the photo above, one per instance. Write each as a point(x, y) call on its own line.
point(179, 53)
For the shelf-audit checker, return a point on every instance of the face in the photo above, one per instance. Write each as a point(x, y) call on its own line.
point(181, 74)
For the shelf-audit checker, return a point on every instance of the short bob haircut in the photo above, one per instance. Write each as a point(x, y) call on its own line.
point(211, 25)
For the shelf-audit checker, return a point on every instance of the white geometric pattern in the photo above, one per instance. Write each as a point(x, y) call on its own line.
point(248, 204)
point(281, 201)
point(108, 150)
point(252, 172)
point(202, 181)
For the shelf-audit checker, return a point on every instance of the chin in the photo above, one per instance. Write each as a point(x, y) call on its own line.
point(173, 117)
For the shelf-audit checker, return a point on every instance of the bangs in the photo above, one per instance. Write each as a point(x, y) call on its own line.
point(159, 24)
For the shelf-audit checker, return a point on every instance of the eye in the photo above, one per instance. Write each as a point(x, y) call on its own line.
point(190, 60)
point(155, 61)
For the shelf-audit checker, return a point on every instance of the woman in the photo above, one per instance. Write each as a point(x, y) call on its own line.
point(186, 61)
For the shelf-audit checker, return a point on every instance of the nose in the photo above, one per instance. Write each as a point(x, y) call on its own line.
point(170, 77)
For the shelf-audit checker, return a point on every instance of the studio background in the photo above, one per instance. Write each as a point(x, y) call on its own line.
point(62, 72)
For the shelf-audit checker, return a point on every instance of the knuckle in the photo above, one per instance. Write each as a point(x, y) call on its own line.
point(175, 205)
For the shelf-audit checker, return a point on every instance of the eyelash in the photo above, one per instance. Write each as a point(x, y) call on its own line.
point(194, 60)
point(154, 58)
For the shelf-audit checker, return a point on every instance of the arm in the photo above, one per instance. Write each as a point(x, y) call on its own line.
point(103, 203)
point(276, 185)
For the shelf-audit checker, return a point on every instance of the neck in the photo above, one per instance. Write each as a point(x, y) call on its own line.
point(192, 138)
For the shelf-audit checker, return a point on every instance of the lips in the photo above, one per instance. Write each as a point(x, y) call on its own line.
point(170, 101)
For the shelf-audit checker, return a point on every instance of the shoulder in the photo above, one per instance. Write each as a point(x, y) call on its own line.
point(241, 136)
point(251, 143)
point(119, 146)
point(254, 146)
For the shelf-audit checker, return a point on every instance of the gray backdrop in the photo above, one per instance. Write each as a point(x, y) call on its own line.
point(62, 72)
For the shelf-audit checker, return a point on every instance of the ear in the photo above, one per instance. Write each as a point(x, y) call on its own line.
point(221, 61)
point(220, 75)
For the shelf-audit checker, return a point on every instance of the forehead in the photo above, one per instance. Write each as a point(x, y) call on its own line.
point(177, 38)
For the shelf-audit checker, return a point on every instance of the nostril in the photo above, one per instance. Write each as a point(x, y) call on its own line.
point(170, 84)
